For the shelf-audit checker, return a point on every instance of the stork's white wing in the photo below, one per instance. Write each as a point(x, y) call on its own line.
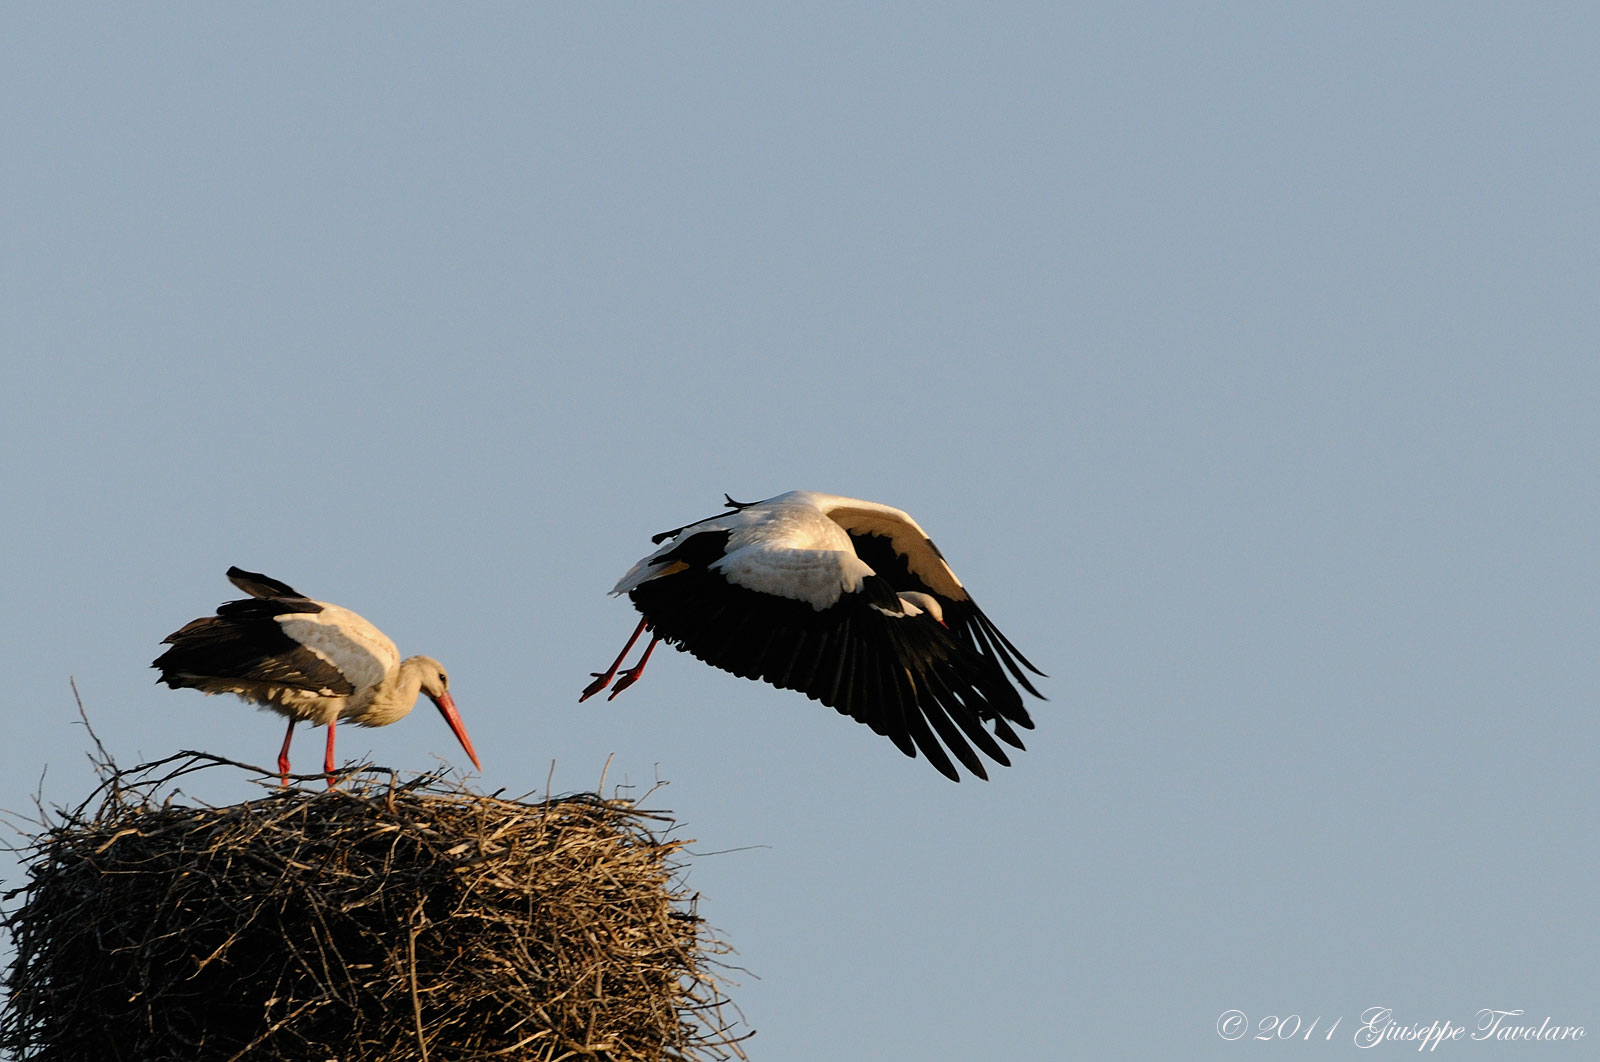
point(817, 577)
point(361, 652)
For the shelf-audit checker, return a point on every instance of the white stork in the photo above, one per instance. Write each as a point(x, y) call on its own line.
point(848, 602)
point(304, 659)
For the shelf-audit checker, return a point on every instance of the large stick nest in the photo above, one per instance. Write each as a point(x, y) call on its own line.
point(383, 920)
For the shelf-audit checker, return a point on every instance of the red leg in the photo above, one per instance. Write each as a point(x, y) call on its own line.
point(601, 680)
point(283, 753)
point(631, 675)
point(327, 760)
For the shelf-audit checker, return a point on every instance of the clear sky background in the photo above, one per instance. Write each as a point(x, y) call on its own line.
point(1244, 359)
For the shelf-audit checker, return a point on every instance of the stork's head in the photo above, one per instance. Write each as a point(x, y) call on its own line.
point(436, 684)
point(916, 601)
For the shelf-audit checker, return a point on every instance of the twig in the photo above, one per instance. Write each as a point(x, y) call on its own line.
point(411, 963)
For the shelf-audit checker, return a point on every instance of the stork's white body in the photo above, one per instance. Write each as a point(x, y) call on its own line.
point(362, 654)
point(786, 547)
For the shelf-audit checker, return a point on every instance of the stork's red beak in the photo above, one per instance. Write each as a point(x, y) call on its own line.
point(447, 708)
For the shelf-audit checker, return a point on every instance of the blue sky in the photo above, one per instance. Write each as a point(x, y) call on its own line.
point(1242, 359)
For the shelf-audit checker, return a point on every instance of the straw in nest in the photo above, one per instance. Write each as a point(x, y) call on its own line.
point(385, 920)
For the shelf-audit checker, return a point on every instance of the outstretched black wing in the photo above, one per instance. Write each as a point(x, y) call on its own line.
point(910, 561)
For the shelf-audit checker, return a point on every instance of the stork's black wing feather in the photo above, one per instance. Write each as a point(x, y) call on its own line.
point(257, 585)
point(972, 628)
point(244, 642)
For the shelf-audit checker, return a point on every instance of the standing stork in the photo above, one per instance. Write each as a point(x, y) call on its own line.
point(304, 659)
point(846, 601)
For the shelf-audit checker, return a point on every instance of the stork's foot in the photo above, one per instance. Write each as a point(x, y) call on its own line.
point(626, 678)
point(603, 678)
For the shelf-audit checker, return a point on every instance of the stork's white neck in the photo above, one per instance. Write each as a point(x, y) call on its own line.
point(395, 696)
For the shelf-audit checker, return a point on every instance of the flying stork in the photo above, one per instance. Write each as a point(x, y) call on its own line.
point(846, 601)
point(306, 660)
